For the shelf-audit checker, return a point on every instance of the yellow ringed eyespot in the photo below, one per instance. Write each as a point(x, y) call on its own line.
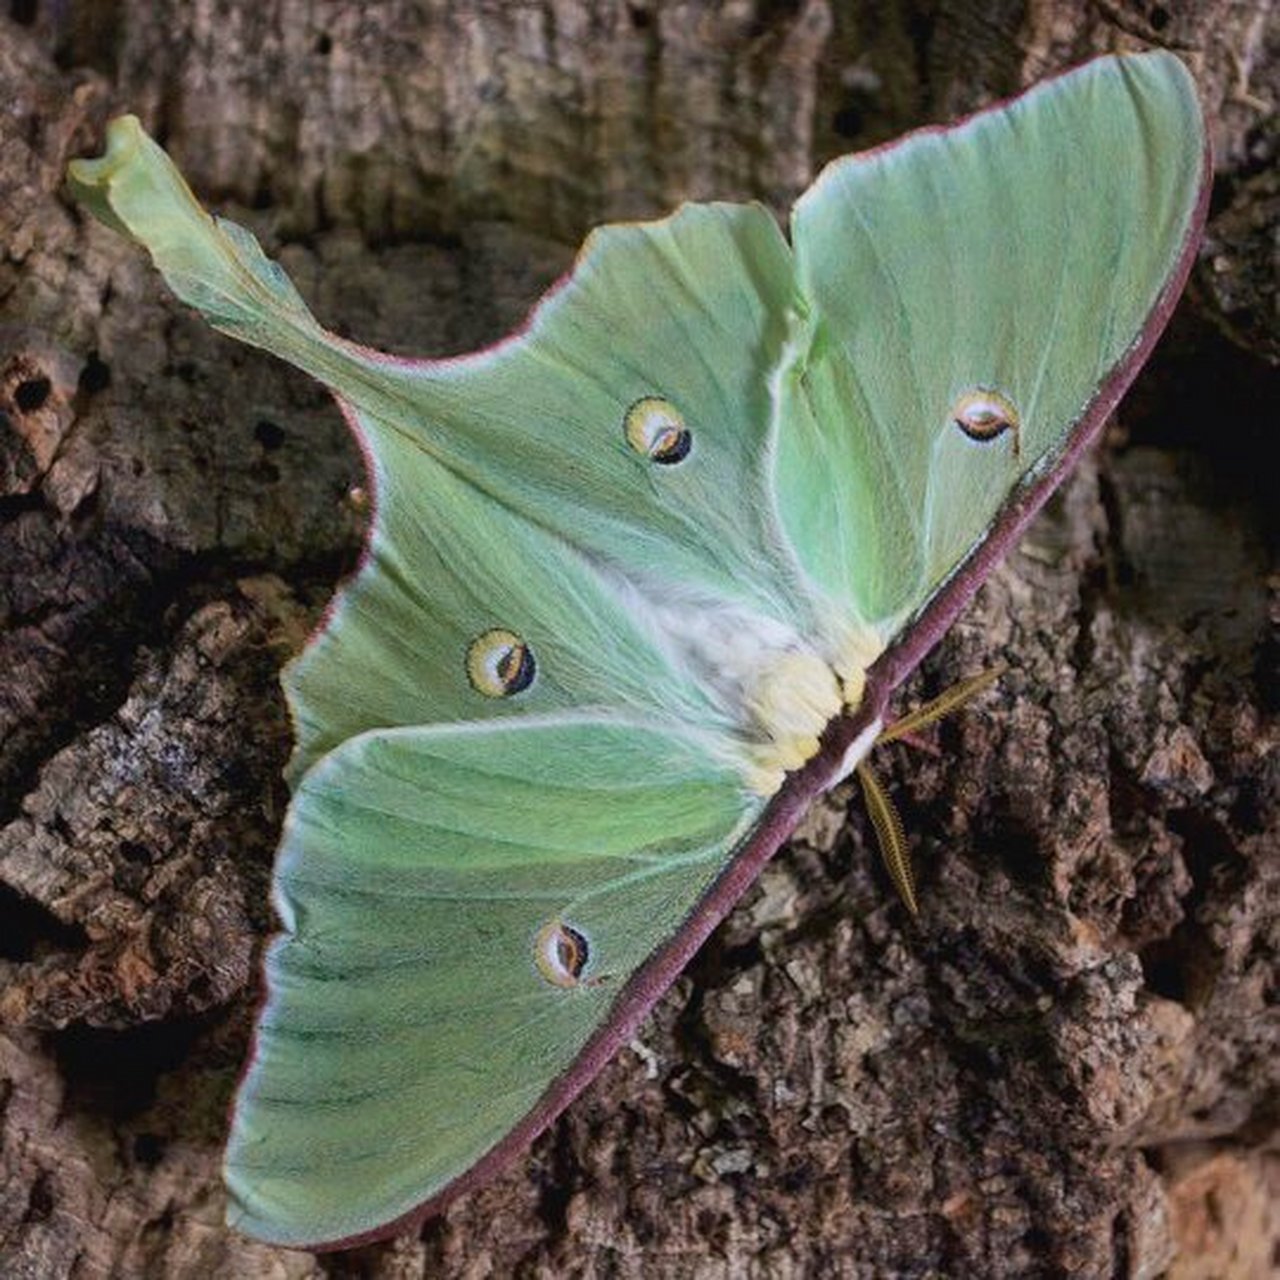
point(500, 664)
point(984, 415)
point(561, 953)
point(655, 428)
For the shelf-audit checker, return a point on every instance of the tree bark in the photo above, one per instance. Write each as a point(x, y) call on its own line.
point(1066, 1066)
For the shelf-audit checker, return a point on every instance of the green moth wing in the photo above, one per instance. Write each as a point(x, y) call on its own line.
point(970, 291)
point(511, 896)
point(521, 478)
point(638, 585)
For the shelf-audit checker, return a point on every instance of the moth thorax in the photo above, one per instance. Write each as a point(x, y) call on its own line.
point(792, 699)
point(763, 673)
point(796, 693)
point(781, 689)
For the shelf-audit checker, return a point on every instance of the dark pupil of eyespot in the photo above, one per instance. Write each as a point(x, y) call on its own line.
point(515, 668)
point(674, 446)
point(987, 427)
point(571, 951)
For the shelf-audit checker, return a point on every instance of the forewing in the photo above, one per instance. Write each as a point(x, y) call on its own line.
point(689, 312)
point(513, 488)
point(1017, 257)
point(408, 1027)
point(438, 830)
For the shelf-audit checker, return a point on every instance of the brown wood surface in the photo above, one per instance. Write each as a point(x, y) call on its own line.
point(1067, 1066)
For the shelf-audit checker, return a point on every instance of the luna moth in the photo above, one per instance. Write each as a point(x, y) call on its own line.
point(639, 583)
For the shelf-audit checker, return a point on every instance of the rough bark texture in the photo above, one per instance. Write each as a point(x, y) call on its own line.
point(1067, 1066)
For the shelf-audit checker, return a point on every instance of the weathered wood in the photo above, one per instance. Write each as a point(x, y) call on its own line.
point(1061, 1068)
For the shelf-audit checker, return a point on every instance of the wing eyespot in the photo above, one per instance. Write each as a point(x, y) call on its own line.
point(985, 415)
point(655, 428)
point(500, 664)
point(561, 953)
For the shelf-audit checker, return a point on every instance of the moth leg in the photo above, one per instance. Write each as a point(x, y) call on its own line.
point(906, 727)
point(890, 835)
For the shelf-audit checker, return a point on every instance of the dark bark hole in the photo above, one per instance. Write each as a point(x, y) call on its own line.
point(1266, 675)
point(847, 121)
point(41, 1199)
point(1210, 852)
point(115, 1073)
point(1159, 17)
point(324, 44)
point(1015, 847)
point(857, 104)
point(268, 434)
point(95, 376)
point(23, 11)
point(148, 1148)
point(28, 930)
point(31, 394)
point(1162, 971)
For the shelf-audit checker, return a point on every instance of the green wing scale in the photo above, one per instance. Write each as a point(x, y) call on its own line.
point(638, 583)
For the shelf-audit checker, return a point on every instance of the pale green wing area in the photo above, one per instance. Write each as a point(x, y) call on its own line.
point(1019, 254)
point(510, 492)
point(692, 311)
point(408, 1027)
point(446, 564)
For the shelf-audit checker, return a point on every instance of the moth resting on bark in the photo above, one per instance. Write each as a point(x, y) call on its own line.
point(639, 583)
